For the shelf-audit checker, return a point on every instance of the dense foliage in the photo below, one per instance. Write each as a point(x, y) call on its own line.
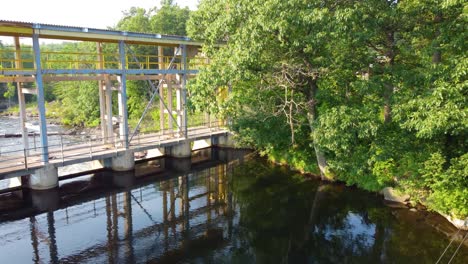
point(374, 91)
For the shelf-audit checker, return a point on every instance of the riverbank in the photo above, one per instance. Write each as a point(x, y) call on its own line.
point(394, 198)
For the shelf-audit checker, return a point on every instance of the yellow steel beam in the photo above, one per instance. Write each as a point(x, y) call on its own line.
point(15, 31)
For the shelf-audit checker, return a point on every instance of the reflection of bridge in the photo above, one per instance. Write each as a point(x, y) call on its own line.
point(162, 221)
point(110, 66)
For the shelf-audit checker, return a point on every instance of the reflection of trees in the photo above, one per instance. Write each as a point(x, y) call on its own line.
point(284, 218)
point(274, 209)
point(289, 219)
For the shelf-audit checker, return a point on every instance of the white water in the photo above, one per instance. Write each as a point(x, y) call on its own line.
point(14, 145)
point(11, 125)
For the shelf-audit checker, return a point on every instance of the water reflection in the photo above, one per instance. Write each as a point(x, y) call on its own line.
point(217, 210)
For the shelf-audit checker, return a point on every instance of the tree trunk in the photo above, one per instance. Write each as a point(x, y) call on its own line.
point(311, 118)
point(387, 103)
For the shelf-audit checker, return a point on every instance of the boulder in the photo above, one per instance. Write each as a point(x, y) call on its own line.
point(393, 195)
point(458, 223)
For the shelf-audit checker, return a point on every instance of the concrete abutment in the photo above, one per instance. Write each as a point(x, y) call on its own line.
point(123, 161)
point(44, 178)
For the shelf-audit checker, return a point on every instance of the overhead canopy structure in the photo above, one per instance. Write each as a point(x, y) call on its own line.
point(47, 31)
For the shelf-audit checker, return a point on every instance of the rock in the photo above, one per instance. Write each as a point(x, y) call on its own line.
point(397, 205)
point(391, 194)
point(413, 210)
point(420, 206)
point(458, 223)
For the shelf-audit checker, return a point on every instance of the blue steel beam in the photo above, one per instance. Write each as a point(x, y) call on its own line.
point(40, 99)
point(123, 95)
point(184, 86)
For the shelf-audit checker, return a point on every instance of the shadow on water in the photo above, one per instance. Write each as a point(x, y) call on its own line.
point(220, 206)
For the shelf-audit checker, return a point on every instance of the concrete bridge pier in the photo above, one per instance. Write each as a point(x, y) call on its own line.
point(123, 166)
point(181, 150)
point(123, 161)
point(44, 178)
point(180, 156)
point(224, 141)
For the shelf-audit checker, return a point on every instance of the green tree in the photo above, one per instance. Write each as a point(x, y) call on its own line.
point(137, 19)
point(377, 87)
point(282, 58)
point(170, 19)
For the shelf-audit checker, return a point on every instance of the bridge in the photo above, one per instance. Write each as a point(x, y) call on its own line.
point(113, 63)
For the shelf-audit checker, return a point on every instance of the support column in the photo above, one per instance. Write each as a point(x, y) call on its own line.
point(169, 106)
point(225, 141)
point(181, 94)
point(21, 101)
point(161, 58)
point(161, 93)
point(123, 111)
point(179, 112)
point(181, 157)
point(184, 90)
point(102, 95)
point(40, 98)
point(44, 178)
point(110, 127)
point(124, 161)
point(161, 108)
point(181, 150)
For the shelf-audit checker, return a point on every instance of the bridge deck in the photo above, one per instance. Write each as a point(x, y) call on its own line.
point(18, 164)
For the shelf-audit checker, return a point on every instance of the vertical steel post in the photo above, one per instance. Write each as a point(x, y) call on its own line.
point(162, 118)
point(184, 90)
point(169, 107)
point(110, 128)
point(161, 93)
point(102, 95)
point(21, 102)
point(123, 111)
point(40, 97)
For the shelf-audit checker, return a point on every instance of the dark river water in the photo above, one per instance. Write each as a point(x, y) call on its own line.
point(229, 207)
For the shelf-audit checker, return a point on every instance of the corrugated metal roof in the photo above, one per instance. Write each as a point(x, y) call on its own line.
point(25, 23)
point(103, 32)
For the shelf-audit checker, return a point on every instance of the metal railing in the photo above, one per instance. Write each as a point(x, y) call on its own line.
point(90, 60)
point(64, 148)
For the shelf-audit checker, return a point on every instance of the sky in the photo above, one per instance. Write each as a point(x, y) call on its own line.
point(81, 13)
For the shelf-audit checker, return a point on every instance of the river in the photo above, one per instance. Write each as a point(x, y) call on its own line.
point(14, 145)
point(11, 125)
point(231, 207)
